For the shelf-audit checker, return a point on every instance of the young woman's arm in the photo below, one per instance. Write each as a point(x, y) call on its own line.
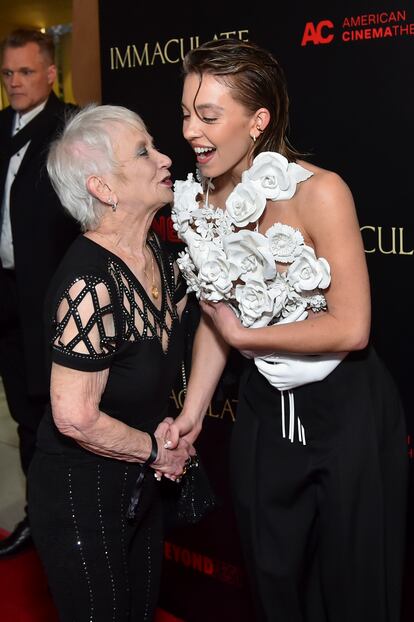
point(329, 218)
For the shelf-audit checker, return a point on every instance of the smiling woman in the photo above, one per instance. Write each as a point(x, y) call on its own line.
point(274, 253)
point(115, 338)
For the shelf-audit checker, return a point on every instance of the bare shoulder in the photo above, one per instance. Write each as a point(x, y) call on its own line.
point(324, 188)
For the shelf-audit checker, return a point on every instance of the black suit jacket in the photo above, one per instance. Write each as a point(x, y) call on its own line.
point(41, 230)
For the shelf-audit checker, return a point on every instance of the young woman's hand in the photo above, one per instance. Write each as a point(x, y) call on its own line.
point(225, 321)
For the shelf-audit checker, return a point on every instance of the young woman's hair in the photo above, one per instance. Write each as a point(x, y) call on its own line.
point(256, 80)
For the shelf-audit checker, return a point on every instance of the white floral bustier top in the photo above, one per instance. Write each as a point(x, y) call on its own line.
point(226, 261)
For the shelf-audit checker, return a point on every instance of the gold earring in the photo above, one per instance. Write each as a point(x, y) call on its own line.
point(253, 138)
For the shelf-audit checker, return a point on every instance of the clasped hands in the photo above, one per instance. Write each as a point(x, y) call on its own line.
point(175, 451)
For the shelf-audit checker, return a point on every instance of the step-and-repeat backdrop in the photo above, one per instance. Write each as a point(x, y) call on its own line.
point(350, 74)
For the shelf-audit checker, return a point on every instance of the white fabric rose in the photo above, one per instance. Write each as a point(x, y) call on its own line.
point(316, 302)
point(185, 203)
point(187, 267)
point(307, 272)
point(249, 256)
point(245, 204)
point(185, 193)
point(181, 221)
point(225, 261)
point(199, 248)
point(256, 303)
point(184, 262)
point(279, 290)
point(285, 242)
point(205, 228)
point(275, 176)
point(213, 276)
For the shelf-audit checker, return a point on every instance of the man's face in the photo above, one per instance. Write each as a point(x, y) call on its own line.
point(28, 76)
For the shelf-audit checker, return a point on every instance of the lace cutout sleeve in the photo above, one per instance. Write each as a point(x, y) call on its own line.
point(84, 327)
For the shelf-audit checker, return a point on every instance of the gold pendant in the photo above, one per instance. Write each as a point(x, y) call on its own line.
point(154, 292)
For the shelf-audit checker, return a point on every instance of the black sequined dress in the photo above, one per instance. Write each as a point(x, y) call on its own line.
point(101, 566)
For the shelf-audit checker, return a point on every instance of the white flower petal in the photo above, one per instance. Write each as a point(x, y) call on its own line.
point(226, 261)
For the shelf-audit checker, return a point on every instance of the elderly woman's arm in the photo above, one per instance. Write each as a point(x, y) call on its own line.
point(75, 398)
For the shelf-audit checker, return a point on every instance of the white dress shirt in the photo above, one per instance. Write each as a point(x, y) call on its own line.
point(6, 239)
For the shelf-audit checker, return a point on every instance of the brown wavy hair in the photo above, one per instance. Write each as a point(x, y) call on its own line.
point(256, 80)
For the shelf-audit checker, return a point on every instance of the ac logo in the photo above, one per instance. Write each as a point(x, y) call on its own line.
point(321, 33)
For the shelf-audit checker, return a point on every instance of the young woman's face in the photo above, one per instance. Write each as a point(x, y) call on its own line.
point(218, 128)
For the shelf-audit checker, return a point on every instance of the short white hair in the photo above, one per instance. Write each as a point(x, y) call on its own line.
point(85, 148)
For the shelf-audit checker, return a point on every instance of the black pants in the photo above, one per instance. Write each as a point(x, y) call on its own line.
point(100, 566)
point(25, 409)
point(322, 525)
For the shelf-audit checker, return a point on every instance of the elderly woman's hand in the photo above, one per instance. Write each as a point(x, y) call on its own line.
point(171, 462)
point(162, 431)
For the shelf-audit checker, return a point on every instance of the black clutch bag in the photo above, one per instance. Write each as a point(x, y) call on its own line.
point(190, 500)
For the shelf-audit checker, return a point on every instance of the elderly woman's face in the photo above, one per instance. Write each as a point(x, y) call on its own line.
point(144, 179)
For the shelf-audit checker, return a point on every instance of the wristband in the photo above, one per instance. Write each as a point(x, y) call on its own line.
point(154, 450)
point(136, 493)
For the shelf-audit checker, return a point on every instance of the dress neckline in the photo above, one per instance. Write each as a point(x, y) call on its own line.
point(160, 312)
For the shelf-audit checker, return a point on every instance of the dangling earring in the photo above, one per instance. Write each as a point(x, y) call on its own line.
point(114, 205)
point(253, 138)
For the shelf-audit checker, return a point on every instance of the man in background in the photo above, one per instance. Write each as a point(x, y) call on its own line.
point(34, 234)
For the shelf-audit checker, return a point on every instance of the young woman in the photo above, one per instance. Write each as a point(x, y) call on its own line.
point(318, 474)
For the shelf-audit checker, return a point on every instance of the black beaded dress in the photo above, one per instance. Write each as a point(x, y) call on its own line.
point(100, 565)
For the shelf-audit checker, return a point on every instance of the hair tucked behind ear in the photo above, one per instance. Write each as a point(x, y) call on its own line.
point(256, 80)
point(83, 149)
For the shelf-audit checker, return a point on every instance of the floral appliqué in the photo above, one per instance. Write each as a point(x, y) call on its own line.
point(225, 259)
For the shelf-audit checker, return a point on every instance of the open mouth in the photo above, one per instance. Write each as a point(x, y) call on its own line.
point(204, 153)
point(167, 181)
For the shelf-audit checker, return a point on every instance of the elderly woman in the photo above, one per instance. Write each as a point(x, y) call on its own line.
point(113, 314)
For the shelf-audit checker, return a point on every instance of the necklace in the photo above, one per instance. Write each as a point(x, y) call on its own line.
point(155, 292)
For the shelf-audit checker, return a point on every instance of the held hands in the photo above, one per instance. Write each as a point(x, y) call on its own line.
point(183, 427)
point(175, 437)
point(171, 461)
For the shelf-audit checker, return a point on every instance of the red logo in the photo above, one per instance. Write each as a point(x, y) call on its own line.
point(321, 33)
point(164, 227)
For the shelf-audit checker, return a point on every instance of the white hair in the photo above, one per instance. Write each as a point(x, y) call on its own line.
point(85, 148)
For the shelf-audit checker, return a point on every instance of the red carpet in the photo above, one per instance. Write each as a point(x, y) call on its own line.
point(24, 594)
